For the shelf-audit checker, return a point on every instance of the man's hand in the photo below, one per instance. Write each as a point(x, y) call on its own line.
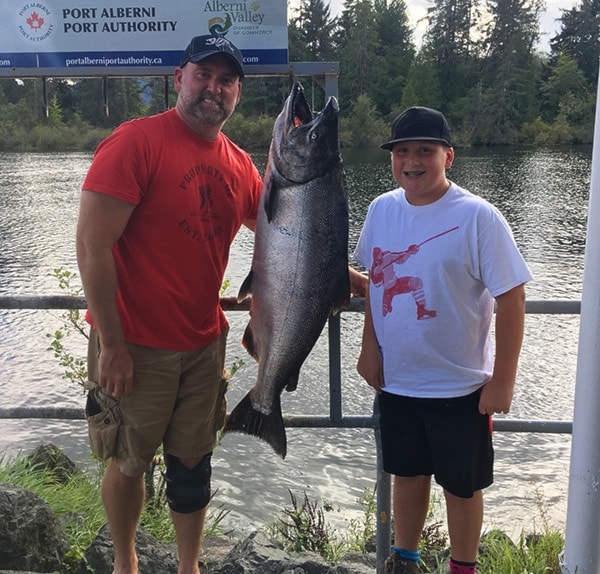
point(116, 371)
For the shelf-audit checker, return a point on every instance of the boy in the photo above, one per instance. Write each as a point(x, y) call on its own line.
point(439, 257)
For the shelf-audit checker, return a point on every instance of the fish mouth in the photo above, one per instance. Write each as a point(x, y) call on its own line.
point(305, 144)
point(298, 111)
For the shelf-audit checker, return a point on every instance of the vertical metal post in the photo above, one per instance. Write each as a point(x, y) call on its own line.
point(45, 108)
point(105, 96)
point(384, 498)
point(166, 92)
point(582, 541)
point(335, 368)
point(331, 86)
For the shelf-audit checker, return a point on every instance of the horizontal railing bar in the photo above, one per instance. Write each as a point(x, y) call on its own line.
point(551, 307)
point(42, 302)
point(335, 420)
point(300, 421)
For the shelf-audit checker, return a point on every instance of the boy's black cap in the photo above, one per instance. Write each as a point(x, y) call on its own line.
point(201, 47)
point(418, 123)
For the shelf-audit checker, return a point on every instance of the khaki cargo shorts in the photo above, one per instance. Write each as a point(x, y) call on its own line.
point(178, 400)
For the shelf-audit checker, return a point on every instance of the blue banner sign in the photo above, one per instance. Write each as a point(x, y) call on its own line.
point(72, 34)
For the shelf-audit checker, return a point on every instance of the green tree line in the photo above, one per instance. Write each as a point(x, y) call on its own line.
point(478, 62)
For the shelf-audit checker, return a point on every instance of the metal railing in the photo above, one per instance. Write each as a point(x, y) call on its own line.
point(336, 418)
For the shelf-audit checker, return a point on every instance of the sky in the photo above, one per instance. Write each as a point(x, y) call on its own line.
point(417, 9)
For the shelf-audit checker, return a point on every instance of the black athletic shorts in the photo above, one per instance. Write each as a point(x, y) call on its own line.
point(446, 438)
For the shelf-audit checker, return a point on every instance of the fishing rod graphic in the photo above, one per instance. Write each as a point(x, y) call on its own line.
point(412, 249)
point(438, 235)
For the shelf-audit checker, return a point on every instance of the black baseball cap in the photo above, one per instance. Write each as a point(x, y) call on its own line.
point(201, 47)
point(419, 123)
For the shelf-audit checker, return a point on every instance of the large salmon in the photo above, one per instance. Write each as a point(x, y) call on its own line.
point(300, 264)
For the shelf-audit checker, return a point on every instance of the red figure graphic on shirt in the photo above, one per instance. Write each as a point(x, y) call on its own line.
point(382, 273)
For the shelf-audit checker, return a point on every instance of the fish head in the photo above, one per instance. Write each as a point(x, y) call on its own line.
point(304, 144)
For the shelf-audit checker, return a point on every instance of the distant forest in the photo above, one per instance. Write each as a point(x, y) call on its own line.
point(478, 63)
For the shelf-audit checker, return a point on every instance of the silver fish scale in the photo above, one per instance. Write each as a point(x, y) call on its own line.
point(300, 262)
point(301, 258)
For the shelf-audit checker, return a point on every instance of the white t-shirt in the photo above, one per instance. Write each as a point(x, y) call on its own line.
point(434, 272)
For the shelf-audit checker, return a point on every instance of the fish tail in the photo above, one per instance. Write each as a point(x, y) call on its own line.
point(246, 419)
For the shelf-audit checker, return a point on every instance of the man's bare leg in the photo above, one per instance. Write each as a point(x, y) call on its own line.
point(188, 530)
point(123, 498)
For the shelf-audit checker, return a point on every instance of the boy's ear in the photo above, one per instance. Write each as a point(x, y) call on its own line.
point(449, 157)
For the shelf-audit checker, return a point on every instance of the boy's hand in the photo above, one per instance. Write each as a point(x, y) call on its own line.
point(370, 367)
point(359, 283)
point(496, 397)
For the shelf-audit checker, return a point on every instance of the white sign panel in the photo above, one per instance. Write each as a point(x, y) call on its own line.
point(113, 33)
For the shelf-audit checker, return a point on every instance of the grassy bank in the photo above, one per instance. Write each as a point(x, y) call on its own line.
point(76, 500)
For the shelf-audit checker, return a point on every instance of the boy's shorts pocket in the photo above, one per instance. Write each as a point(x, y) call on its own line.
point(103, 426)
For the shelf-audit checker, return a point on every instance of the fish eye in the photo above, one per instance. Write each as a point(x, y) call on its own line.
point(313, 136)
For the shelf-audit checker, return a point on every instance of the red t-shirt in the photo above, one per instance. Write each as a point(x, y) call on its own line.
point(191, 197)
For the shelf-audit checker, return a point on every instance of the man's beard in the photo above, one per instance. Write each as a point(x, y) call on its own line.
point(207, 114)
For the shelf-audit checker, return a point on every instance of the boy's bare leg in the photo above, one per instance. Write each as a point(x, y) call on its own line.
point(465, 519)
point(123, 498)
point(411, 504)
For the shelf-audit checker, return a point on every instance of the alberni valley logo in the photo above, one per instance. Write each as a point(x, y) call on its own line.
point(35, 22)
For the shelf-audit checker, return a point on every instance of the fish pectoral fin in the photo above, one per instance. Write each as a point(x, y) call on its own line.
point(292, 383)
point(343, 293)
point(246, 288)
point(271, 200)
point(246, 419)
point(248, 341)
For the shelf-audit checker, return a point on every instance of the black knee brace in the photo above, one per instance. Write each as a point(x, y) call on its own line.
point(188, 489)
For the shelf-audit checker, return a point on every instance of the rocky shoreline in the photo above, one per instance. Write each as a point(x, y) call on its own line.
point(32, 540)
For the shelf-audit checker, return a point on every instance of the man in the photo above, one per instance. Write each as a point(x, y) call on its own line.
point(160, 206)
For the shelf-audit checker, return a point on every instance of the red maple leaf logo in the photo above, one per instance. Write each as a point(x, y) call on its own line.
point(34, 21)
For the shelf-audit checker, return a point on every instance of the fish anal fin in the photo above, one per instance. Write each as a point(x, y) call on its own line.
point(246, 288)
point(246, 419)
point(248, 341)
point(293, 382)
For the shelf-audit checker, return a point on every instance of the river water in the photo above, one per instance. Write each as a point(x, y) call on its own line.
point(542, 193)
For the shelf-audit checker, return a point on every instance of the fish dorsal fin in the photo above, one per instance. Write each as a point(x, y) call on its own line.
point(246, 288)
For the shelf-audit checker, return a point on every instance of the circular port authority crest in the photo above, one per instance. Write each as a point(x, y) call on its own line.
point(35, 22)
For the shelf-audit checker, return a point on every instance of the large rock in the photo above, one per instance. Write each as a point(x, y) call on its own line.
point(50, 458)
point(31, 537)
point(154, 557)
point(259, 555)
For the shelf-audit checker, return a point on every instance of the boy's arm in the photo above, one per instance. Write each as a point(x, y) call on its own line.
point(359, 283)
point(370, 362)
point(497, 393)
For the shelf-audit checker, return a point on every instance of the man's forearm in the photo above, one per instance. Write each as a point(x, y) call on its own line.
point(99, 279)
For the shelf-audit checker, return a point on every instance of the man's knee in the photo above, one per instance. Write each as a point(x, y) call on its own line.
point(188, 489)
